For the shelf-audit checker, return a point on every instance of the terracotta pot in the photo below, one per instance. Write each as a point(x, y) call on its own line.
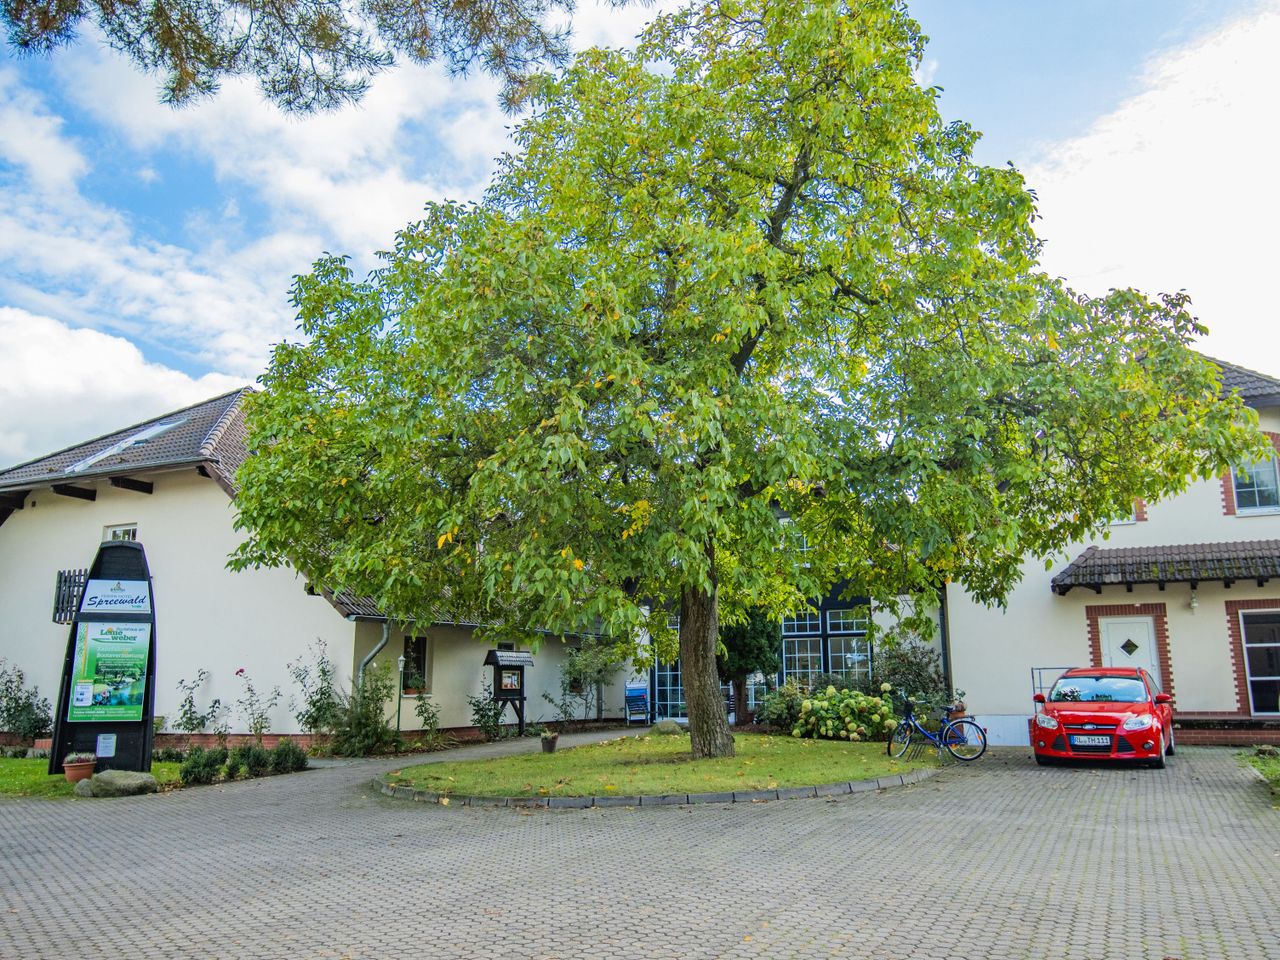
point(75, 772)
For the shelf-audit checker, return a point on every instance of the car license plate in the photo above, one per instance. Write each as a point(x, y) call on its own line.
point(1083, 741)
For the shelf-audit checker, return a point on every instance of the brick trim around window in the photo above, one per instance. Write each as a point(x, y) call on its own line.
point(1236, 636)
point(1228, 484)
point(1160, 620)
point(1139, 510)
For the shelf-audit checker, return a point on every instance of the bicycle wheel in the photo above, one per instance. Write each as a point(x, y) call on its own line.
point(900, 742)
point(964, 739)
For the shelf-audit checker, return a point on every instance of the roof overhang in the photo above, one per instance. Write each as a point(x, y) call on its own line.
point(1256, 561)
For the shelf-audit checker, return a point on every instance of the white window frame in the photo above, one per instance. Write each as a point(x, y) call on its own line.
point(792, 656)
point(842, 626)
point(1235, 486)
point(813, 619)
point(1248, 676)
point(111, 531)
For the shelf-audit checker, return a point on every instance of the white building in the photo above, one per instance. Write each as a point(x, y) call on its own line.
point(168, 484)
point(1188, 588)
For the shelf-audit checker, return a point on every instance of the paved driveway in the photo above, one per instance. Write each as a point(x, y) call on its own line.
point(1001, 859)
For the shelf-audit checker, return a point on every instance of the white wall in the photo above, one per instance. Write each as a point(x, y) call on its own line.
point(456, 670)
point(206, 616)
point(993, 652)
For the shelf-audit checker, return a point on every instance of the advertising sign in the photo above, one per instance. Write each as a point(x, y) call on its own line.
point(116, 596)
point(109, 671)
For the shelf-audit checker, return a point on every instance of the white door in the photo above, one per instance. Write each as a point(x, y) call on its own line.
point(1130, 642)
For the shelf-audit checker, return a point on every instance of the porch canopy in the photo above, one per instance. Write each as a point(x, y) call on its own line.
point(1193, 563)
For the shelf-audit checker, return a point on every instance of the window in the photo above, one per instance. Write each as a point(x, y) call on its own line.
point(1262, 660)
point(801, 658)
point(849, 647)
point(1257, 486)
point(124, 531)
point(415, 677)
point(847, 621)
point(673, 621)
point(805, 624)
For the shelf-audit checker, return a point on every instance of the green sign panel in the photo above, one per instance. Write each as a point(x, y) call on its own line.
point(109, 672)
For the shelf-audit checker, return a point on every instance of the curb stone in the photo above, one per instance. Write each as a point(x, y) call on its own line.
point(665, 800)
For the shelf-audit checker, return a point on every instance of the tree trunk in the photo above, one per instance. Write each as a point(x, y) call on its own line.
point(740, 713)
point(699, 628)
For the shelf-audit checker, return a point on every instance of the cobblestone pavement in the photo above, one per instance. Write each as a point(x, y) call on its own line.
point(1000, 859)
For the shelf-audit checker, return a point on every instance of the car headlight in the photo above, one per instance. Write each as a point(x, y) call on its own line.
point(1046, 721)
point(1138, 723)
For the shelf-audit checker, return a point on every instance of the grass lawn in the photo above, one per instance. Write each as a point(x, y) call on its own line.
point(1269, 767)
point(643, 765)
point(28, 778)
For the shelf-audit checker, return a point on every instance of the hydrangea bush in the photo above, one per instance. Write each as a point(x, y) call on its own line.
point(846, 715)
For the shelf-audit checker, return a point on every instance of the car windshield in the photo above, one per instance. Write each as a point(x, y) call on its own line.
point(1098, 690)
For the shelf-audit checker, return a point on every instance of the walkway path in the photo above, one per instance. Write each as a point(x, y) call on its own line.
point(1001, 859)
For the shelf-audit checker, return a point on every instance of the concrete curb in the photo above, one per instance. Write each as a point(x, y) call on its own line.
point(667, 800)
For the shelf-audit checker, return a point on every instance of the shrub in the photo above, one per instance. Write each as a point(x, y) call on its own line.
point(23, 712)
point(486, 713)
point(845, 715)
point(321, 707)
point(191, 719)
point(363, 728)
point(780, 708)
point(233, 767)
point(288, 757)
point(201, 766)
point(428, 715)
point(255, 708)
point(258, 761)
point(914, 668)
point(169, 755)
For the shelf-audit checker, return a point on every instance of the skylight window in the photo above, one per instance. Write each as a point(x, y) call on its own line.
point(142, 436)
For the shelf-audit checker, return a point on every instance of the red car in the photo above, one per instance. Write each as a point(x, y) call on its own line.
point(1103, 713)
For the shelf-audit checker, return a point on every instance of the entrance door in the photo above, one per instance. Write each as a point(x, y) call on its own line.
point(1130, 642)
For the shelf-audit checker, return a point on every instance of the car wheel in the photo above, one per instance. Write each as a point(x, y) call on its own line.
point(1158, 760)
point(1169, 750)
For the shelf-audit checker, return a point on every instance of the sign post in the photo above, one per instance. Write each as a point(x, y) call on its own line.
point(107, 698)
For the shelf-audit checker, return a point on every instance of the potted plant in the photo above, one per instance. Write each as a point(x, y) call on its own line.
point(958, 707)
point(78, 766)
point(414, 684)
point(549, 739)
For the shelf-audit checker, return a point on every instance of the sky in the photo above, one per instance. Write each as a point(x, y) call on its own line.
point(146, 252)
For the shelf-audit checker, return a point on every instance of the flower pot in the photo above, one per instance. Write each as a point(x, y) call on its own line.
point(549, 743)
point(75, 772)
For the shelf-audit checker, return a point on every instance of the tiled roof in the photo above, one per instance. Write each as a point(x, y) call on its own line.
point(1256, 389)
point(211, 432)
point(1257, 560)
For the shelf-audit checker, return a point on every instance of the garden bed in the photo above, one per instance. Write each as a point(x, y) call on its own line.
point(658, 765)
point(30, 778)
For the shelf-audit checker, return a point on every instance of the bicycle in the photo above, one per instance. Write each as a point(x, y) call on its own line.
point(963, 738)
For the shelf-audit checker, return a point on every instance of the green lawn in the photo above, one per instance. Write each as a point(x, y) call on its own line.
point(1269, 767)
point(28, 778)
point(644, 765)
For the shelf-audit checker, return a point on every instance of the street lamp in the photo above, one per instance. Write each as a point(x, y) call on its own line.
point(399, 696)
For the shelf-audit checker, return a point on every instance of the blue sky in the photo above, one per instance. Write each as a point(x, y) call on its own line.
point(146, 253)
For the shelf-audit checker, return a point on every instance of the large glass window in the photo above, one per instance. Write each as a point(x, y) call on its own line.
point(1262, 660)
point(801, 658)
point(851, 657)
point(1257, 485)
point(668, 698)
point(804, 624)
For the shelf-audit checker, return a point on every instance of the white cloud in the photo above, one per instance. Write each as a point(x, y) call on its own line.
point(1176, 189)
point(31, 138)
point(60, 385)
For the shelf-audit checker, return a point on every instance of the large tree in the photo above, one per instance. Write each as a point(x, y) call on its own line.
point(741, 277)
point(305, 54)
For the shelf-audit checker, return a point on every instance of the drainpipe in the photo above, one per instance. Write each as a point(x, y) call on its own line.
point(386, 635)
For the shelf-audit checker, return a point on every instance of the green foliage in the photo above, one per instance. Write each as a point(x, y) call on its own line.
point(255, 708)
point(319, 709)
point(169, 755)
point(745, 272)
point(201, 766)
point(486, 714)
point(428, 715)
point(305, 56)
point(191, 719)
point(362, 727)
point(288, 757)
point(914, 669)
point(780, 709)
point(257, 761)
point(845, 714)
point(752, 646)
point(23, 712)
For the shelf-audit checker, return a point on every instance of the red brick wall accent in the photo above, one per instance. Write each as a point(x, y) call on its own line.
point(1140, 510)
point(1228, 485)
point(1236, 637)
point(1160, 618)
point(181, 741)
point(1226, 738)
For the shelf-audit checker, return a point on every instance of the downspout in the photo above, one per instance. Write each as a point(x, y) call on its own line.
point(386, 635)
point(944, 634)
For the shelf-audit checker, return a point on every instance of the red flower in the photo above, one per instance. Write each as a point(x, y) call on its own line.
point(240, 672)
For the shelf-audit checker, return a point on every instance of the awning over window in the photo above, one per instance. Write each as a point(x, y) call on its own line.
point(1193, 563)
